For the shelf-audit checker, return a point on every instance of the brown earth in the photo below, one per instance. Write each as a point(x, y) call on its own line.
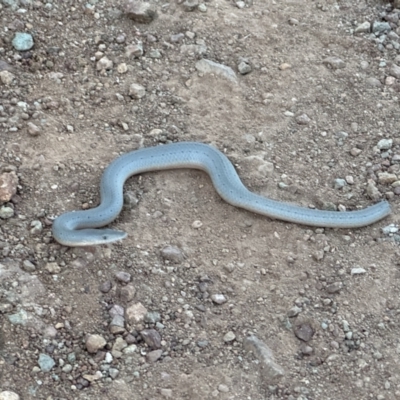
point(85, 118)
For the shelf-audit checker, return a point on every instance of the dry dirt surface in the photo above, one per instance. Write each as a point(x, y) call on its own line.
point(202, 300)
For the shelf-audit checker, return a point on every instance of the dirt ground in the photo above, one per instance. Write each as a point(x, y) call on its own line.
point(303, 123)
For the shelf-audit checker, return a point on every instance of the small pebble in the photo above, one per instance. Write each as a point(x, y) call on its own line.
point(173, 254)
point(229, 337)
point(244, 68)
point(334, 287)
point(105, 287)
point(385, 144)
point(218, 298)
point(304, 331)
point(123, 277)
point(152, 338)
point(223, 388)
point(22, 41)
point(303, 119)
point(358, 271)
point(153, 356)
point(95, 343)
point(6, 212)
point(46, 363)
point(339, 183)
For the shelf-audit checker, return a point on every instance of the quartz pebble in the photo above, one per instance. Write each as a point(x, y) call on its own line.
point(8, 395)
point(218, 298)
point(358, 271)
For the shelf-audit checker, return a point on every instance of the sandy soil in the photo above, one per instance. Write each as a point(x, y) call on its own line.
point(317, 102)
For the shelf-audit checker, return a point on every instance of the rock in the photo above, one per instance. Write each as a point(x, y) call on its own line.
point(293, 312)
point(229, 337)
point(136, 91)
point(117, 325)
point(122, 68)
point(95, 343)
point(113, 372)
point(334, 287)
point(140, 12)
point(22, 41)
point(130, 349)
point(104, 64)
point(394, 71)
point(334, 62)
point(7, 77)
point(190, 5)
point(105, 287)
point(152, 317)
point(130, 198)
point(270, 371)
point(8, 395)
point(195, 49)
point(202, 8)
point(154, 54)
point(123, 277)
point(303, 330)
point(152, 338)
point(6, 212)
point(223, 388)
point(46, 363)
point(385, 144)
point(172, 254)
point(126, 293)
point(355, 151)
point(5, 66)
point(218, 298)
point(177, 38)
point(385, 178)
point(53, 268)
point(134, 50)
point(36, 227)
point(373, 82)
point(244, 68)
point(284, 67)
point(153, 356)
point(365, 27)
point(33, 129)
point(119, 344)
point(339, 183)
point(373, 191)
point(135, 313)
point(380, 27)
point(210, 67)
point(28, 266)
point(8, 185)
point(90, 378)
point(358, 271)
point(303, 119)
point(389, 229)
